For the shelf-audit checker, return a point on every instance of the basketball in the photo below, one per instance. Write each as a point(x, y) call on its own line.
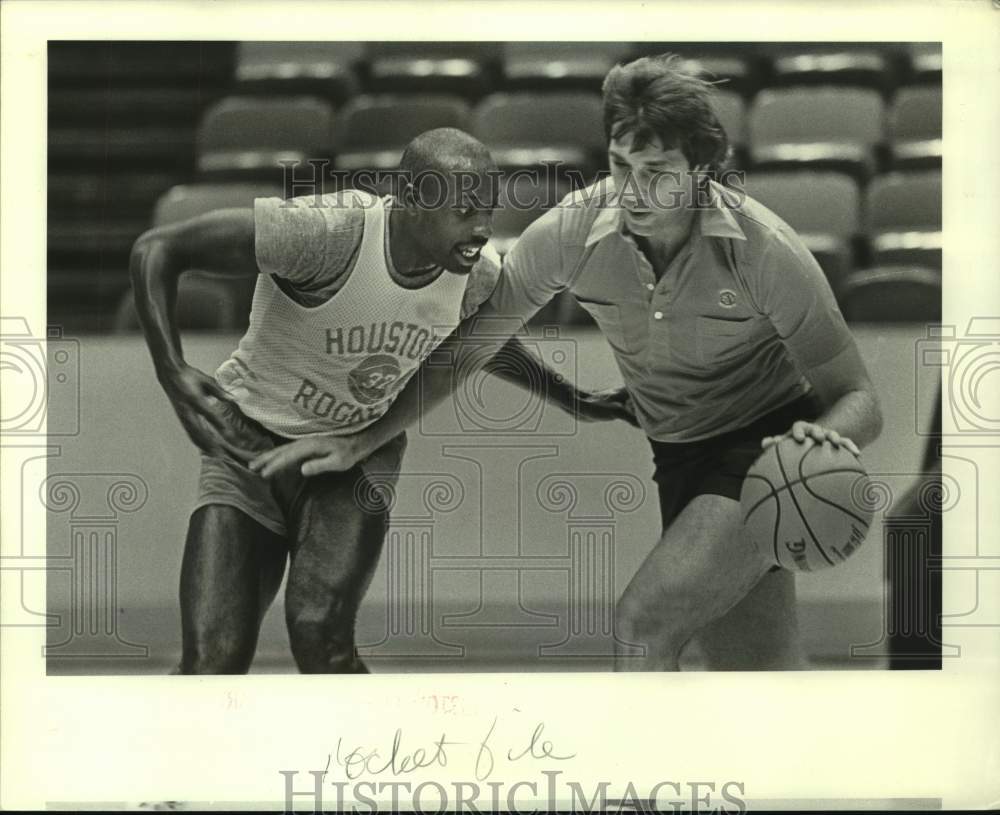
point(803, 505)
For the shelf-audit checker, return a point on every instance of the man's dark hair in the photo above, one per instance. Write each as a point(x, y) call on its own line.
point(653, 98)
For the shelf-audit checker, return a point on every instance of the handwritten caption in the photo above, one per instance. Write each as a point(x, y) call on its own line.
point(400, 757)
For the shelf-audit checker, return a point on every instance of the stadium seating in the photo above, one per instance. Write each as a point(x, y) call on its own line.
point(540, 66)
point(203, 304)
point(904, 219)
point(324, 69)
point(849, 67)
point(465, 69)
point(530, 129)
point(137, 63)
point(731, 112)
point(524, 197)
point(248, 137)
point(892, 294)
point(93, 192)
point(124, 127)
point(926, 62)
point(189, 200)
point(132, 106)
point(914, 125)
point(204, 301)
point(816, 128)
point(373, 130)
point(143, 148)
point(823, 208)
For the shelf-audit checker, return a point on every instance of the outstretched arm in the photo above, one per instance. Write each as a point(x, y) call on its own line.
point(221, 242)
point(498, 353)
point(517, 364)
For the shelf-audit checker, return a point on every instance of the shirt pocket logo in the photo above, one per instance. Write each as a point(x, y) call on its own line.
point(727, 298)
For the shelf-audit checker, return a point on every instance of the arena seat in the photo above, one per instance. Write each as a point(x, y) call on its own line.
point(523, 199)
point(84, 237)
point(925, 62)
point(111, 193)
point(823, 208)
point(150, 147)
point(463, 68)
point(204, 303)
point(323, 69)
point(540, 66)
point(914, 126)
point(373, 130)
point(904, 218)
point(135, 62)
point(115, 106)
point(847, 67)
point(892, 294)
point(817, 128)
point(189, 200)
point(531, 129)
point(247, 137)
point(731, 111)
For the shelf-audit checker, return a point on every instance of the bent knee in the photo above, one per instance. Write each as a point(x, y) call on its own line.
point(323, 642)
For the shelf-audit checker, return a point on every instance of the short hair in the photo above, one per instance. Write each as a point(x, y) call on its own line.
point(440, 152)
point(653, 98)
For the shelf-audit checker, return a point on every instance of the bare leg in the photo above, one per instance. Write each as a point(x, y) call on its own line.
point(700, 568)
point(231, 571)
point(335, 549)
point(760, 633)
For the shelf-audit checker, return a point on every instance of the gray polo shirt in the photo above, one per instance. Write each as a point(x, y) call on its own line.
point(724, 337)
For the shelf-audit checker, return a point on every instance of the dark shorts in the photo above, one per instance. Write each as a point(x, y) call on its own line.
point(268, 501)
point(717, 466)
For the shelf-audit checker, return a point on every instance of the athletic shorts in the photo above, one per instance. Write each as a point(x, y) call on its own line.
point(226, 481)
point(717, 466)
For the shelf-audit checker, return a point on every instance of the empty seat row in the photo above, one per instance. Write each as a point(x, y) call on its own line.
point(338, 70)
point(827, 128)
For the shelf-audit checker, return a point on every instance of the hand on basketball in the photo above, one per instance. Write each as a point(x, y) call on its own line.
point(808, 431)
point(201, 404)
point(607, 405)
point(314, 455)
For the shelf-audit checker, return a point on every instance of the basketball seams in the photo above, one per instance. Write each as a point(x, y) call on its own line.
point(828, 502)
point(805, 482)
point(805, 523)
point(774, 491)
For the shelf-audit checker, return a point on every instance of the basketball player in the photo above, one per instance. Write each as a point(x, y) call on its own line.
point(728, 337)
point(352, 293)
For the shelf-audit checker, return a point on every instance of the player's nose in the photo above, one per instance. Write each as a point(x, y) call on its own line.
point(482, 229)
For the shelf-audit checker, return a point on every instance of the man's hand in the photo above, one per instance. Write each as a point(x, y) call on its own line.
point(603, 406)
point(313, 455)
point(803, 431)
point(202, 406)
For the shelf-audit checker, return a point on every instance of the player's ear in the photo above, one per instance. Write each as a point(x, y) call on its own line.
point(407, 196)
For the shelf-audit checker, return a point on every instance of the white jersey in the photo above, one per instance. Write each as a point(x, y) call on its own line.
point(337, 367)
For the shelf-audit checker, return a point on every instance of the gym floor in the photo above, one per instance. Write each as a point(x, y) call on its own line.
point(485, 552)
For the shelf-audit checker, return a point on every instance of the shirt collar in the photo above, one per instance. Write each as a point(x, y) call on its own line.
point(716, 220)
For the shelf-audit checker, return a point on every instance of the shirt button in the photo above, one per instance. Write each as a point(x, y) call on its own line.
point(657, 315)
point(650, 286)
